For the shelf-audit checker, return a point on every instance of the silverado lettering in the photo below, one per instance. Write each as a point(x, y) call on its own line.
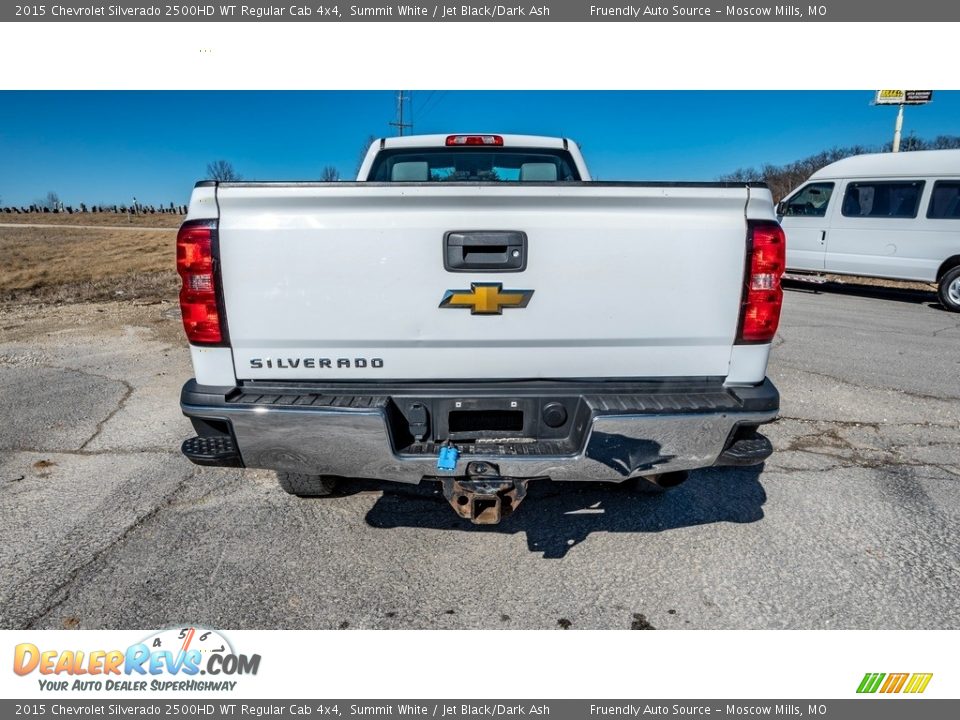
point(311, 363)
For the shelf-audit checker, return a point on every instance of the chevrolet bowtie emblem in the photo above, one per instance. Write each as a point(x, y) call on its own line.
point(486, 298)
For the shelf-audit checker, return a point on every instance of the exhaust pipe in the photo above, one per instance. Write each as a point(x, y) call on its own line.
point(670, 479)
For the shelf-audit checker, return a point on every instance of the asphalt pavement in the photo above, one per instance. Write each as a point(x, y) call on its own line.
point(851, 524)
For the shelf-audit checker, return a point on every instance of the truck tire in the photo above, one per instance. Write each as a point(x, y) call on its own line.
point(949, 289)
point(307, 485)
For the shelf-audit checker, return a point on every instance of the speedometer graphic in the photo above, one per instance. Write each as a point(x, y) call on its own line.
point(183, 639)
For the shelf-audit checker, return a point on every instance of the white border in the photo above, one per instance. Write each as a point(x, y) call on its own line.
point(767, 664)
point(684, 55)
point(516, 664)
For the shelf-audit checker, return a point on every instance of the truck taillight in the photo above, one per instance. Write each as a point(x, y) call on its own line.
point(202, 319)
point(474, 140)
point(762, 294)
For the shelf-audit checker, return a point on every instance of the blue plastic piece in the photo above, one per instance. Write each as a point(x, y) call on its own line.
point(447, 459)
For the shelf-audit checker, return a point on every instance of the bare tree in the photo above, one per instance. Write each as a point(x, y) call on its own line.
point(946, 142)
point(783, 178)
point(222, 170)
point(51, 202)
point(329, 174)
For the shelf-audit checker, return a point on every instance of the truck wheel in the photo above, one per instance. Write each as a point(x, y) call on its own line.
point(949, 291)
point(307, 485)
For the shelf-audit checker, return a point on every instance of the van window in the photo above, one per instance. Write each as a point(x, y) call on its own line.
point(945, 200)
point(882, 199)
point(811, 201)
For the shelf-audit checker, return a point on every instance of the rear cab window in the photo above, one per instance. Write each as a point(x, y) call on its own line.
point(811, 201)
point(899, 199)
point(945, 200)
point(467, 164)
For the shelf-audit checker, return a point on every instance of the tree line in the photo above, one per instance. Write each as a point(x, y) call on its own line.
point(783, 178)
point(224, 171)
point(59, 208)
point(220, 170)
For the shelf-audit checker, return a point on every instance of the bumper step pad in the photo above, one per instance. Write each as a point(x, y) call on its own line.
point(744, 451)
point(217, 451)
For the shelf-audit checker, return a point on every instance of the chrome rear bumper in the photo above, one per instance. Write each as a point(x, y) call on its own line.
point(614, 435)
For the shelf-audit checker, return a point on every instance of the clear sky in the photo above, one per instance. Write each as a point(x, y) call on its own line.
point(106, 147)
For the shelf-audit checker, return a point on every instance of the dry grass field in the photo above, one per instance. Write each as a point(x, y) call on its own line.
point(54, 264)
point(106, 218)
point(100, 257)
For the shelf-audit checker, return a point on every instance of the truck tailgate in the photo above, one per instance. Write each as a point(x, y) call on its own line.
point(345, 281)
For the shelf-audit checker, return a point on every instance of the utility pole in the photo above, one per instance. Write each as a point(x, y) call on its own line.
point(901, 98)
point(399, 124)
point(898, 129)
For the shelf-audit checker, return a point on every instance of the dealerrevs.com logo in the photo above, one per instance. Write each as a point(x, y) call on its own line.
point(172, 659)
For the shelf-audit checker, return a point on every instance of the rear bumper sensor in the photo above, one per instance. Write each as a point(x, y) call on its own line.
point(600, 430)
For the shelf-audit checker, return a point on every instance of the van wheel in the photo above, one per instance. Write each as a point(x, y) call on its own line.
point(949, 291)
point(307, 485)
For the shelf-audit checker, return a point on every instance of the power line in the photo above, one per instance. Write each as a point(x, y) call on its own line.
point(429, 107)
point(415, 111)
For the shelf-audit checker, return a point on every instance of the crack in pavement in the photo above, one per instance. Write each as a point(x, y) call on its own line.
point(58, 595)
point(793, 470)
point(828, 442)
point(949, 327)
point(871, 424)
point(121, 403)
point(870, 388)
point(92, 453)
point(870, 331)
point(128, 390)
point(127, 393)
point(230, 482)
point(841, 423)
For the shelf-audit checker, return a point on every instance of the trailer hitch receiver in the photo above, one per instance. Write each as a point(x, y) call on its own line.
point(482, 496)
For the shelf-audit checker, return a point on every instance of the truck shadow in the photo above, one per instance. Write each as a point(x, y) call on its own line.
point(876, 292)
point(557, 517)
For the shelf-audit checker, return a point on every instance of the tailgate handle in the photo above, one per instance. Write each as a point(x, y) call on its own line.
point(485, 251)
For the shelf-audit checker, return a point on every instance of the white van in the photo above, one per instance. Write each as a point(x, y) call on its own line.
point(889, 215)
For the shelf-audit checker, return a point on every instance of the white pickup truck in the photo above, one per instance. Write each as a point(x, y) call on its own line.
point(475, 310)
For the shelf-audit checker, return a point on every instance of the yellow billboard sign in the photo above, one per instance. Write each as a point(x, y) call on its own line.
point(903, 97)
